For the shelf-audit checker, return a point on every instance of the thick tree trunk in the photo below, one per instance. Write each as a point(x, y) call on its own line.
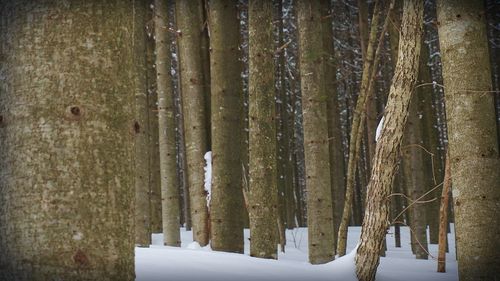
point(189, 15)
point(387, 152)
point(263, 201)
point(226, 217)
point(69, 75)
point(472, 137)
point(166, 121)
point(316, 149)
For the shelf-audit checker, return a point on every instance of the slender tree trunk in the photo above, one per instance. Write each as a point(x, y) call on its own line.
point(443, 218)
point(69, 79)
point(336, 151)
point(316, 149)
point(413, 172)
point(154, 146)
point(371, 104)
point(142, 150)
point(262, 166)
point(354, 143)
point(166, 121)
point(387, 152)
point(189, 15)
point(226, 217)
point(472, 137)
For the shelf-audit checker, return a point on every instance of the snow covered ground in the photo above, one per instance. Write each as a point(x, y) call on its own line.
point(192, 263)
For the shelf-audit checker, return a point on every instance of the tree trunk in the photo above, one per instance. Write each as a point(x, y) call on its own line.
point(189, 15)
point(142, 149)
point(70, 72)
point(166, 122)
point(154, 145)
point(413, 174)
point(387, 151)
point(472, 134)
point(316, 149)
point(355, 134)
point(226, 217)
point(262, 166)
point(336, 150)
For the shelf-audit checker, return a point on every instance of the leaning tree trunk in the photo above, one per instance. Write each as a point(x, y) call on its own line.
point(472, 137)
point(189, 15)
point(356, 133)
point(386, 159)
point(316, 149)
point(263, 199)
point(166, 123)
point(226, 207)
point(68, 80)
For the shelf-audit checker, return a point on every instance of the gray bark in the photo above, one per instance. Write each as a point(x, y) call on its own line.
point(69, 76)
point(472, 137)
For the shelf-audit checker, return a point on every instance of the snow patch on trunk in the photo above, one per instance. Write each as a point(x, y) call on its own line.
point(208, 175)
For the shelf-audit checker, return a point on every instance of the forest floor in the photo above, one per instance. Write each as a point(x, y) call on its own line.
point(193, 263)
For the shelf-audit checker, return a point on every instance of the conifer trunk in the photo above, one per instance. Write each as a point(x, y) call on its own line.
point(166, 123)
point(189, 15)
point(226, 207)
point(472, 137)
point(70, 72)
point(263, 201)
point(316, 149)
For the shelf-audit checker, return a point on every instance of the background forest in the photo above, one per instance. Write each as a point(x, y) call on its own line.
point(243, 123)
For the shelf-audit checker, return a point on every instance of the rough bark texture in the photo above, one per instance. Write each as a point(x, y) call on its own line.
point(358, 120)
point(336, 149)
point(386, 159)
point(226, 207)
point(166, 122)
point(263, 198)
point(316, 149)
point(154, 145)
point(414, 176)
point(472, 137)
point(68, 80)
point(142, 148)
point(194, 95)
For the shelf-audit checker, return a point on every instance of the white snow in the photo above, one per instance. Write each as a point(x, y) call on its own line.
point(379, 129)
point(208, 175)
point(192, 262)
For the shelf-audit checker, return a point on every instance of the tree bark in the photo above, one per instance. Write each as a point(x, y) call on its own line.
point(166, 122)
point(386, 159)
point(262, 135)
point(154, 145)
point(226, 217)
point(316, 149)
point(70, 72)
point(472, 134)
point(142, 148)
point(356, 134)
point(413, 174)
point(336, 150)
point(189, 15)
